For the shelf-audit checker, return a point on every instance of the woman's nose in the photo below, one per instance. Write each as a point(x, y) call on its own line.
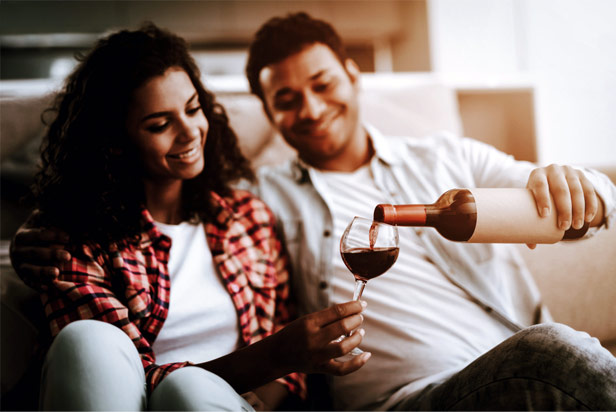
point(189, 130)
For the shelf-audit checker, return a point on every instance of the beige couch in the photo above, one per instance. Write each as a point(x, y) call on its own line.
point(578, 280)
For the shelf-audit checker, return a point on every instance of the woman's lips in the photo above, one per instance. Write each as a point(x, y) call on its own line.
point(184, 155)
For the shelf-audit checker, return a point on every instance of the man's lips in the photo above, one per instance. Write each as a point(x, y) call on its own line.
point(317, 128)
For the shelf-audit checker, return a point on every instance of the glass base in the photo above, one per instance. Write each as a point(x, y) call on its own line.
point(350, 355)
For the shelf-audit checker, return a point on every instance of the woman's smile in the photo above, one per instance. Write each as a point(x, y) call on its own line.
point(187, 156)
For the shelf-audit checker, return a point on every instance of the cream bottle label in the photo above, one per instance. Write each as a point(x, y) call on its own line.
point(511, 216)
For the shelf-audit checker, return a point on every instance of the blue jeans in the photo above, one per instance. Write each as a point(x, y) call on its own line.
point(93, 365)
point(543, 367)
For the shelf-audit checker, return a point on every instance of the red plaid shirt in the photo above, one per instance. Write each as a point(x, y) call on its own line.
point(128, 285)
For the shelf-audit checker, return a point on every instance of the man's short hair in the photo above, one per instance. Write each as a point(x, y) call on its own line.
point(281, 37)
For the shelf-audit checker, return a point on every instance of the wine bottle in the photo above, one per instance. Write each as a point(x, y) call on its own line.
point(482, 216)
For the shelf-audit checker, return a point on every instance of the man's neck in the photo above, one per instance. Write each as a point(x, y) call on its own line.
point(358, 153)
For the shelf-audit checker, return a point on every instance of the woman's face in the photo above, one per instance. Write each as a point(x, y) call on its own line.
point(166, 123)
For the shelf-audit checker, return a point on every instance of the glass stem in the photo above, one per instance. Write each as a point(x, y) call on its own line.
point(359, 289)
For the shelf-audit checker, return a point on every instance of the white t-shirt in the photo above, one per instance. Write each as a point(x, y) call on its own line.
point(202, 322)
point(410, 307)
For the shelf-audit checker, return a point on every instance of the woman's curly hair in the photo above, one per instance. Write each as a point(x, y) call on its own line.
point(90, 182)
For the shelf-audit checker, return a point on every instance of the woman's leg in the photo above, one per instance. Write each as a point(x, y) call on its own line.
point(92, 365)
point(195, 389)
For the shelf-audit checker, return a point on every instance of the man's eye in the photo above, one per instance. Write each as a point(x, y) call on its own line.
point(286, 104)
point(321, 87)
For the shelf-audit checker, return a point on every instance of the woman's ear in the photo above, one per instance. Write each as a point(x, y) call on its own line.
point(352, 69)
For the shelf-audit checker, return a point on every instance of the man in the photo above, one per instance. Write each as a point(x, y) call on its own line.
point(449, 325)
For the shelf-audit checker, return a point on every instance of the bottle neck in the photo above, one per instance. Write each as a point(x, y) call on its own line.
point(401, 215)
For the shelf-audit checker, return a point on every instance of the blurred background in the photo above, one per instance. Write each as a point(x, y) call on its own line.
point(539, 74)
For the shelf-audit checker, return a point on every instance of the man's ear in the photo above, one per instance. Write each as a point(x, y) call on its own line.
point(352, 69)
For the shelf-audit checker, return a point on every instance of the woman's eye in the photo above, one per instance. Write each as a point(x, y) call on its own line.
point(321, 87)
point(157, 128)
point(193, 110)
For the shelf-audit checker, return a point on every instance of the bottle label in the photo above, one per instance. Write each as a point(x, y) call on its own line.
point(511, 216)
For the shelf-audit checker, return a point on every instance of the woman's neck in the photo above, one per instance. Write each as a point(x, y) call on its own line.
point(164, 201)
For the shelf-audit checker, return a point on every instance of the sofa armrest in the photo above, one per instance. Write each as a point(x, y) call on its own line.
point(578, 283)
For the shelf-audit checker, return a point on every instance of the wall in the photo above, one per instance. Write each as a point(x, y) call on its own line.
point(564, 49)
point(394, 30)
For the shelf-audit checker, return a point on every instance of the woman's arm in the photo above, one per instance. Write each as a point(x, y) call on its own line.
point(305, 345)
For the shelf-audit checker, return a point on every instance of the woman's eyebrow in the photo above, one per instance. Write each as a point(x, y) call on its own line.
point(165, 113)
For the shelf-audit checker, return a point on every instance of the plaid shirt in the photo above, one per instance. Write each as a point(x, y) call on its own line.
point(128, 284)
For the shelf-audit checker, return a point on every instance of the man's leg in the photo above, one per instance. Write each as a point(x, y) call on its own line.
point(92, 365)
point(195, 389)
point(543, 367)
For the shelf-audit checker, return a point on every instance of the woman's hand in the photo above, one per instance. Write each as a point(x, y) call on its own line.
point(310, 345)
point(307, 345)
point(574, 196)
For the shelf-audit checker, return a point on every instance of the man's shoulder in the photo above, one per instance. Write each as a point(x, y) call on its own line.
point(434, 144)
point(439, 138)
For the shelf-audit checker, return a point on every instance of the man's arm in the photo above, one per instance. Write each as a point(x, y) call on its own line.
point(37, 252)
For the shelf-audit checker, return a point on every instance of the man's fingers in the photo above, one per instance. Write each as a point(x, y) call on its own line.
point(538, 184)
point(575, 200)
point(40, 236)
point(576, 191)
point(38, 277)
point(559, 188)
point(590, 197)
point(43, 255)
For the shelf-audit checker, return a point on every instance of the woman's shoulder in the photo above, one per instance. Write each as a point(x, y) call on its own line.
point(245, 203)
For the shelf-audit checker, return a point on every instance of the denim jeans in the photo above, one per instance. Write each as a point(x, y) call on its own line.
point(93, 365)
point(544, 367)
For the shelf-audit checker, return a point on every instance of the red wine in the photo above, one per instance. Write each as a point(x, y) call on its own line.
point(373, 234)
point(366, 263)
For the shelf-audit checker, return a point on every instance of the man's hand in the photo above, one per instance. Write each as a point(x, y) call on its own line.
point(574, 195)
point(310, 344)
point(37, 254)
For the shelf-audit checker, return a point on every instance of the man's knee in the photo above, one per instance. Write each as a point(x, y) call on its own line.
point(557, 341)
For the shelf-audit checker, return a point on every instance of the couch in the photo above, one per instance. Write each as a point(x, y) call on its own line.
point(577, 280)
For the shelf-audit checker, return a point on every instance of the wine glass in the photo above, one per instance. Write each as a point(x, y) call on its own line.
point(368, 250)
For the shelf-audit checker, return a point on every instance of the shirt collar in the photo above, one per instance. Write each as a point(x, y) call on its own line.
point(382, 146)
point(152, 234)
point(383, 151)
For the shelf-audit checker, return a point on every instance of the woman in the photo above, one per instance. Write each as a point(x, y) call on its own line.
point(137, 167)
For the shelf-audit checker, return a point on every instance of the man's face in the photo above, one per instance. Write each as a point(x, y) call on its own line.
point(312, 99)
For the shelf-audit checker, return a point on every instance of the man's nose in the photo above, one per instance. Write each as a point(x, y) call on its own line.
point(312, 107)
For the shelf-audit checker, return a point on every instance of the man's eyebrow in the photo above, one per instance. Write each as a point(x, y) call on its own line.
point(317, 74)
point(286, 90)
point(161, 114)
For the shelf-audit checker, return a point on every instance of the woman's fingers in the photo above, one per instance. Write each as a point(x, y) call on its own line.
point(336, 312)
point(344, 368)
